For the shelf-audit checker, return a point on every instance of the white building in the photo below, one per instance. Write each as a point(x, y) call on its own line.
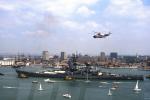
point(7, 62)
point(45, 55)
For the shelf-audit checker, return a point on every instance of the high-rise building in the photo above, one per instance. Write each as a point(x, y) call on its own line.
point(102, 56)
point(63, 56)
point(45, 55)
point(113, 55)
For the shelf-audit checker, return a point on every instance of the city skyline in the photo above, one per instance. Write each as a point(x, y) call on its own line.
point(60, 25)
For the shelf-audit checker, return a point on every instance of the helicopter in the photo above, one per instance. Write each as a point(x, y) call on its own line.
point(100, 35)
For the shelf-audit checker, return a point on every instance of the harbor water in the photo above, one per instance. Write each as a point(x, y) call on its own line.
point(14, 88)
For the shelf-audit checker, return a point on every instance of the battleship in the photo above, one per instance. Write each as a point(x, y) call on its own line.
point(72, 73)
point(80, 74)
point(148, 76)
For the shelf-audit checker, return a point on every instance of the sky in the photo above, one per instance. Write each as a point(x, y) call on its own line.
point(31, 26)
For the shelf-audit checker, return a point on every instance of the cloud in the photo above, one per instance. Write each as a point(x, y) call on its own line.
point(68, 22)
point(37, 33)
point(85, 11)
point(128, 8)
point(123, 8)
point(7, 7)
point(71, 25)
point(63, 8)
point(45, 14)
point(86, 26)
point(7, 35)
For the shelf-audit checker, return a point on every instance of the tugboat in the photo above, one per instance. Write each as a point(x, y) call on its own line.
point(67, 95)
point(114, 86)
point(1, 74)
point(148, 76)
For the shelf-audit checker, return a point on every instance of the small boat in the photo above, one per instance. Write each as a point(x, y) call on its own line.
point(34, 81)
point(117, 82)
point(40, 88)
point(109, 93)
point(136, 88)
point(104, 82)
point(114, 86)
point(67, 95)
point(49, 81)
point(68, 78)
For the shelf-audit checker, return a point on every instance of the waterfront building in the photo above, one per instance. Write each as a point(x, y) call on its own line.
point(147, 66)
point(113, 55)
point(102, 56)
point(148, 63)
point(45, 55)
point(83, 59)
point(130, 59)
point(7, 62)
point(63, 56)
point(1, 57)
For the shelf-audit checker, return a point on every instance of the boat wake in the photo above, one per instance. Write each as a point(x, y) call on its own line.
point(100, 86)
point(9, 87)
point(49, 81)
point(87, 81)
point(146, 98)
point(104, 82)
point(117, 82)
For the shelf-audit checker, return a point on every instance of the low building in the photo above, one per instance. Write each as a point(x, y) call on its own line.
point(7, 62)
